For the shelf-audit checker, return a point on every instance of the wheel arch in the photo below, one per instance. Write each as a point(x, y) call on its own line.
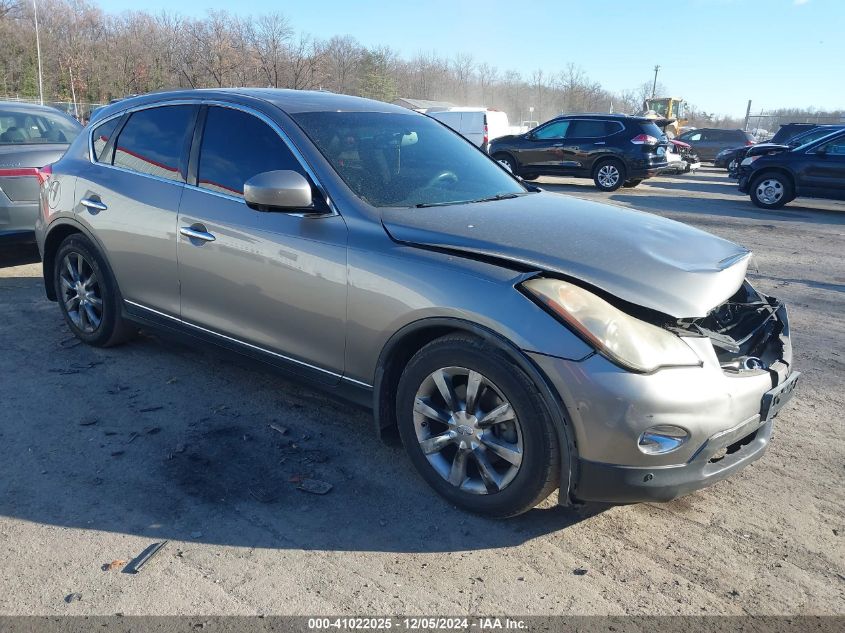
point(56, 234)
point(412, 337)
point(506, 153)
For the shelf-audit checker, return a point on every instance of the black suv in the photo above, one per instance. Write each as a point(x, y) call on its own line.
point(708, 142)
point(612, 149)
point(814, 170)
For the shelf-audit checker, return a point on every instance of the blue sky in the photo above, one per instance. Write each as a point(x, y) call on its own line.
point(706, 48)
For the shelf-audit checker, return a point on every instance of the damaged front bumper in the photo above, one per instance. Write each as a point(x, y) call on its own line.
point(727, 408)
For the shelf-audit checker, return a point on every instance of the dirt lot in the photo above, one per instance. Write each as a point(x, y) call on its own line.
point(103, 452)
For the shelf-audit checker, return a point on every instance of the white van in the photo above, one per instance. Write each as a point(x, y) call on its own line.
point(479, 125)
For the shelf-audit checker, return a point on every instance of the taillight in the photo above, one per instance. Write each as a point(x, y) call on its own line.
point(644, 139)
point(44, 174)
point(486, 136)
point(749, 143)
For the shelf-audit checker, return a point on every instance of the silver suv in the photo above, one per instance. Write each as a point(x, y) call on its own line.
point(517, 341)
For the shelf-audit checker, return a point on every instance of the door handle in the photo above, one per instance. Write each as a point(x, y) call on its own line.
point(91, 203)
point(600, 143)
point(197, 234)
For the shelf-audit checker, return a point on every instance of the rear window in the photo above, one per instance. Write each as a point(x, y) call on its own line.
point(651, 129)
point(36, 127)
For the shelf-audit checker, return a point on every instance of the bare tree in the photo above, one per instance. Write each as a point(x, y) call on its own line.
point(271, 36)
point(487, 76)
point(304, 60)
point(463, 66)
point(342, 56)
point(96, 55)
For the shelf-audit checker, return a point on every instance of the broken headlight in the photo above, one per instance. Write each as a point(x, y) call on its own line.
point(623, 339)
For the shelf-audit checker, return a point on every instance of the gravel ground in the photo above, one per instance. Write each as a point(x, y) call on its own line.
point(104, 452)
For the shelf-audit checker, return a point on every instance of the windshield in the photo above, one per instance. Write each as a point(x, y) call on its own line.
point(813, 135)
point(28, 127)
point(405, 160)
point(657, 105)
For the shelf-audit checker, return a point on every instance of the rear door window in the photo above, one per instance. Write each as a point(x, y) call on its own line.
point(237, 146)
point(836, 147)
point(583, 128)
point(154, 141)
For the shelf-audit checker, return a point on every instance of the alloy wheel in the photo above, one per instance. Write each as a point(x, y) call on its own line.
point(769, 191)
point(504, 162)
point(81, 293)
point(608, 176)
point(467, 430)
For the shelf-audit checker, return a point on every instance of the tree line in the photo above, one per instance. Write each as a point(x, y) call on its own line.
point(90, 55)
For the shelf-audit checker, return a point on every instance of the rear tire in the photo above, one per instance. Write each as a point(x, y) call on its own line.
point(609, 174)
point(506, 161)
point(771, 190)
point(88, 295)
point(502, 464)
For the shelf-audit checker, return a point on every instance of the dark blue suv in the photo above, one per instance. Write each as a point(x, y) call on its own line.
point(813, 170)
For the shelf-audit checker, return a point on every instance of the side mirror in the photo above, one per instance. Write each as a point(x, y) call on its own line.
point(822, 151)
point(280, 190)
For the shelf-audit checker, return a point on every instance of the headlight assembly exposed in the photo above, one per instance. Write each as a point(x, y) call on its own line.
point(623, 339)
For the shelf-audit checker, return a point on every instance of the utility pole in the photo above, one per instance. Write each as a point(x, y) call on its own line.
point(73, 93)
point(38, 48)
point(748, 115)
point(654, 85)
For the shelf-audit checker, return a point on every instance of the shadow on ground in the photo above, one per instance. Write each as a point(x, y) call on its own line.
point(163, 440)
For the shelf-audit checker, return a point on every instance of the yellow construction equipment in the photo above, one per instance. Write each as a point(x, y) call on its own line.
point(667, 108)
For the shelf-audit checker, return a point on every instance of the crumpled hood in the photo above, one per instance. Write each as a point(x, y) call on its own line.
point(767, 148)
point(638, 257)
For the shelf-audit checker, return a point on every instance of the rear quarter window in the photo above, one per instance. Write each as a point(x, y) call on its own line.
point(100, 138)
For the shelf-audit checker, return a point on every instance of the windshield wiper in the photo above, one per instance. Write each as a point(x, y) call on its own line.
point(423, 205)
point(500, 196)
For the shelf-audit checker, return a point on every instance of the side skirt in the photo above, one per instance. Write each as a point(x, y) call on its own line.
point(331, 382)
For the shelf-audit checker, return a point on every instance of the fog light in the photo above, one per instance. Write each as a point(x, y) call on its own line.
point(663, 438)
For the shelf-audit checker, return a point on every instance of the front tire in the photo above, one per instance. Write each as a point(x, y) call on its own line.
point(609, 174)
point(771, 191)
point(88, 295)
point(475, 427)
point(632, 183)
